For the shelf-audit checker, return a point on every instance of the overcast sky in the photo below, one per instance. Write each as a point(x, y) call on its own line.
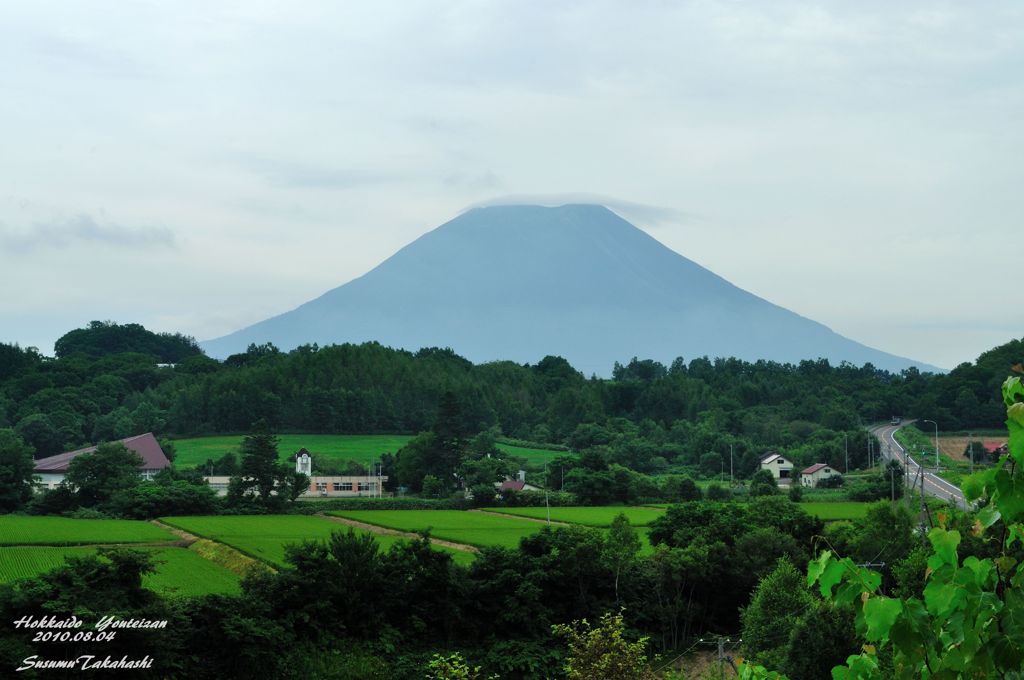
point(199, 166)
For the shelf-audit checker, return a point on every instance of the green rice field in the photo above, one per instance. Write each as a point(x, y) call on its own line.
point(336, 448)
point(264, 537)
point(32, 530)
point(472, 528)
point(597, 516)
point(179, 571)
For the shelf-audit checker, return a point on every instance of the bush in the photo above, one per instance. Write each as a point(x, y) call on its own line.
point(763, 484)
point(717, 492)
point(833, 482)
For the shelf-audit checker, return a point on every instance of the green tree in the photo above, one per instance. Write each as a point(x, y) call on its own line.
point(96, 477)
point(621, 547)
point(603, 652)
point(16, 474)
point(261, 475)
point(453, 667)
point(777, 603)
point(763, 484)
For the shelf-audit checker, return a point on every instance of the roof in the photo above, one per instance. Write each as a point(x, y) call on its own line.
point(994, 448)
point(512, 484)
point(770, 457)
point(814, 468)
point(145, 445)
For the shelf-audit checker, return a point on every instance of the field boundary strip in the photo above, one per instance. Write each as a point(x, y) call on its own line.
point(246, 553)
point(391, 531)
point(523, 518)
point(230, 560)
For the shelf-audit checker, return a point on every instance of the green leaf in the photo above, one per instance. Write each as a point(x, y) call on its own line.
point(1009, 496)
point(973, 486)
point(816, 567)
point(945, 543)
point(942, 598)
point(832, 575)
point(1013, 391)
point(881, 613)
point(988, 516)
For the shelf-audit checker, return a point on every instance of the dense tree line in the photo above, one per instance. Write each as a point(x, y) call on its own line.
point(106, 384)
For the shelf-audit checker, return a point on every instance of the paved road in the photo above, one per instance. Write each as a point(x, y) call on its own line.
point(933, 484)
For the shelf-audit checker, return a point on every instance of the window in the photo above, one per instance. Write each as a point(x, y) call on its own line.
point(337, 486)
point(364, 486)
point(321, 486)
point(346, 486)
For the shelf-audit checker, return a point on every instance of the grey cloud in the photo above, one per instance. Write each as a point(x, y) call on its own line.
point(290, 174)
point(84, 229)
point(475, 182)
point(648, 215)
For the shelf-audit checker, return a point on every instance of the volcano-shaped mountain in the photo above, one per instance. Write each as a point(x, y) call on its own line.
point(521, 282)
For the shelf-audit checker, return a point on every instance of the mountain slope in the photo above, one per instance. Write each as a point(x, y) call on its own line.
point(521, 282)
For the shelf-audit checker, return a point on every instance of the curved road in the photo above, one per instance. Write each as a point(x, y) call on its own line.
point(933, 484)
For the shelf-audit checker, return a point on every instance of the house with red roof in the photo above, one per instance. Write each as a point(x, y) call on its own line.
point(51, 470)
point(814, 474)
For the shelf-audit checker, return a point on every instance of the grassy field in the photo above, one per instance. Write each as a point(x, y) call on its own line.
point(264, 537)
point(473, 528)
point(336, 448)
point(589, 516)
point(536, 457)
point(30, 530)
point(179, 571)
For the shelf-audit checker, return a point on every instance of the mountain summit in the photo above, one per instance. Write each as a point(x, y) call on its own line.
point(521, 282)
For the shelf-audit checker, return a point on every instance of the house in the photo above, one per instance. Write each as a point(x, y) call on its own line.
point(51, 470)
point(517, 484)
point(814, 474)
point(995, 449)
point(304, 462)
point(781, 469)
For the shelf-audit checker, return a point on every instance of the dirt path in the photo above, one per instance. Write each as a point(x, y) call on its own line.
point(393, 532)
point(528, 519)
point(187, 539)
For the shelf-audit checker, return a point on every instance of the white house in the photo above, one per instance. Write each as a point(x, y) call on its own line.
point(814, 474)
point(781, 469)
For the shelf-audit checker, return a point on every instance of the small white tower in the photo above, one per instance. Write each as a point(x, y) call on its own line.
point(303, 463)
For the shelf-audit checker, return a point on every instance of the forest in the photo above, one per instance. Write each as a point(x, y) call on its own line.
point(109, 381)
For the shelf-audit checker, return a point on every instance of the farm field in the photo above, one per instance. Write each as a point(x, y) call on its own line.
point(32, 530)
point(533, 456)
point(954, 447)
point(592, 516)
point(473, 528)
point(336, 448)
point(179, 571)
point(264, 537)
point(482, 529)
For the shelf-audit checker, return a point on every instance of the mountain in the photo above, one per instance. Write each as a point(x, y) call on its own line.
point(521, 282)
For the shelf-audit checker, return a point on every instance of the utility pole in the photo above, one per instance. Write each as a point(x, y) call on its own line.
point(936, 443)
point(970, 447)
point(732, 479)
point(547, 485)
point(846, 450)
